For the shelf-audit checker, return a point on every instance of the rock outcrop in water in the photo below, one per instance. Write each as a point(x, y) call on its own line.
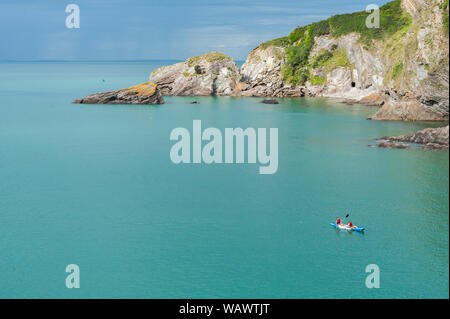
point(430, 138)
point(210, 74)
point(392, 145)
point(402, 66)
point(146, 93)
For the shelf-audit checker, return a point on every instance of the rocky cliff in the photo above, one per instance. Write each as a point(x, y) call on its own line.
point(210, 74)
point(401, 65)
point(417, 66)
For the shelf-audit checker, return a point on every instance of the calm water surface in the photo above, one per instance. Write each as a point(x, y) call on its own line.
point(94, 185)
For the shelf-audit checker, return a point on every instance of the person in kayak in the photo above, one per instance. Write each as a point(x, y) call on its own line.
point(338, 220)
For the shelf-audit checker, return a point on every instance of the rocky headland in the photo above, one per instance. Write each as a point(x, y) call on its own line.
point(402, 67)
point(213, 73)
point(146, 93)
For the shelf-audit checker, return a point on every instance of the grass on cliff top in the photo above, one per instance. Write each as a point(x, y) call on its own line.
point(280, 42)
point(210, 57)
point(392, 19)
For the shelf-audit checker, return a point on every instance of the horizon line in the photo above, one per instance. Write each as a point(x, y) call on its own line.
point(92, 60)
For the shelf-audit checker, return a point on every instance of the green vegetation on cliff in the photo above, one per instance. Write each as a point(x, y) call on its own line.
point(293, 75)
point(397, 70)
point(392, 19)
point(444, 8)
point(321, 58)
point(339, 58)
point(299, 43)
point(280, 42)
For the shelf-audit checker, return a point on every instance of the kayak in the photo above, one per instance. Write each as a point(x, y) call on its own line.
point(346, 227)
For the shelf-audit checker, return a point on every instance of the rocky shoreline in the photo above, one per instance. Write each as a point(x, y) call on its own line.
point(404, 72)
point(429, 138)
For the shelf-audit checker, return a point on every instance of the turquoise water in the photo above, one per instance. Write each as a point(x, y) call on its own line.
point(93, 185)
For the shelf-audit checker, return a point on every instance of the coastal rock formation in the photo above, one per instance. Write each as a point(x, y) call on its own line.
point(431, 138)
point(418, 85)
point(344, 68)
point(261, 74)
point(402, 66)
point(146, 93)
point(210, 74)
point(392, 145)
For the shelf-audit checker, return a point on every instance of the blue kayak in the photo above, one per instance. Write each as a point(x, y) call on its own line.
point(346, 227)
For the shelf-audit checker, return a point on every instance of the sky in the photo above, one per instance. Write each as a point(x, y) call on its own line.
point(152, 29)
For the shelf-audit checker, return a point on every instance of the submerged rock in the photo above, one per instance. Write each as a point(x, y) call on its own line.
point(210, 74)
point(392, 145)
point(270, 101)
point(146, 93)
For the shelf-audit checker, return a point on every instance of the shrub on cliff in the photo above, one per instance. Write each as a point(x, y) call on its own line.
point(392, 19)
point(445, 21)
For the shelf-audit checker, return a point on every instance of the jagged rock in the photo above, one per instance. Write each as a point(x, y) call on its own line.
point(373, 99)
point(262, 72)
point(146, 93)
point(431, 138)
point(166, 75)
point(405, 107)
point(209, 74)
